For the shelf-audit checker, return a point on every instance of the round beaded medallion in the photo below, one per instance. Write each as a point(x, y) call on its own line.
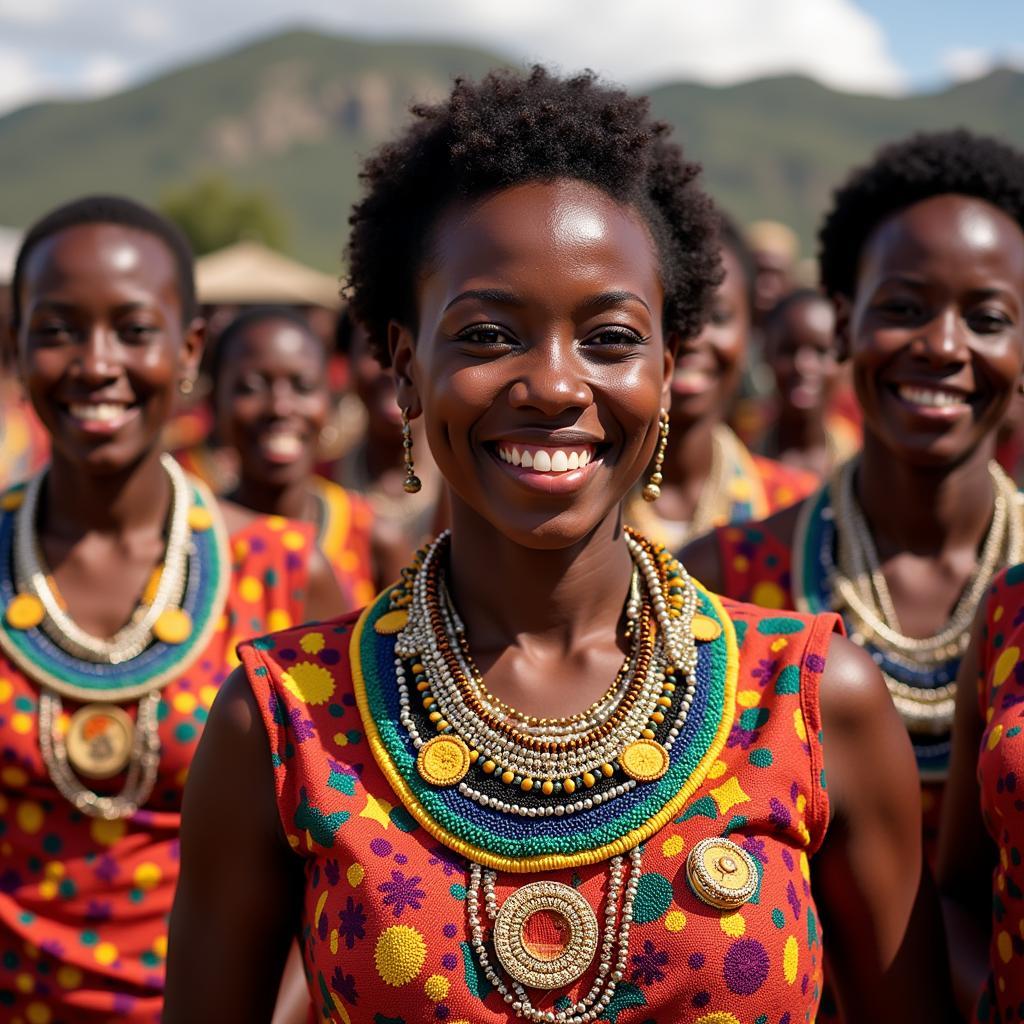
point(545, 935)
point(721, 874)
point(99, 740)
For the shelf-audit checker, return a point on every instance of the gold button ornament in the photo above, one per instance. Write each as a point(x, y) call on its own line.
point(721, 874)
point(644, 760)
point(443, 761)
point(391, 623)
point(26, 611)
point(705, 628)
point(99, 740)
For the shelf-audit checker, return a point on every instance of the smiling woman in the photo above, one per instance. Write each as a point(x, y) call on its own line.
point(547, 775)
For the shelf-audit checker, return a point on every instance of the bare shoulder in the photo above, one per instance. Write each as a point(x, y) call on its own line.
point(853, 693)
point(235, 516)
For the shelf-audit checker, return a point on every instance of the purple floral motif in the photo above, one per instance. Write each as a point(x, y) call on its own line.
point(106, 869)
point(1018, 617)
point(351, 921)
point(779, 816)
point(345, 985)
point(52, 948)
point(742, 738)
point(765, 671)
point(815, 663)
point(756, 848)
point(793, 900)
point(402, 892)
point(447, 861)
point(98, 910)
point(332, 872)
point(649, 963)
point(302, 728)
point(10, 881)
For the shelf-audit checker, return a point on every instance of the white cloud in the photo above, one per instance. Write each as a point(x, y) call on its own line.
point(103, 73)
point(965, 63)
point(35, 12)
point(148, 23)
point(20, 80)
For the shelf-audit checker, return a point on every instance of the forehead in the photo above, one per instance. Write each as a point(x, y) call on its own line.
point(562, 233)
point(91, 261)
point(948, 234)
point(274, 339)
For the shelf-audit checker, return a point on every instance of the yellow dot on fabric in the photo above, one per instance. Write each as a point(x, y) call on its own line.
point(25, 612)
point(768, 595)
point(779, 644)
point(341, 739)
point(675, 921)
point(334, 942)
point(436, 987)
point(312, 643)
point(173, 626)
point(801, 803)
point(790, 959)
point(160, 946)
point(250, 589)
point(207, 695)
point(54, 869)
point(717, 770)
point(319, 908)
point(748, 698)
point(310, 682)
point(6, 690)
point(14, 777)
point(30, 817)
point(673, 846)
point(21, 723)
point(199, 518)
point(276, 523)
point(69, 977)
point(25, 983)
point(718, 1017)
point(293, 541)
point(278, 620)
point(798, 724)
point(48, 889)
point(376, 809)
point(106, 953)
point(1004, 665)
point(106, 833)
point(1000, 881)
point(740, 563)
point(184, 703)
point(38, 1013)
point(988, 715)
point(995, 736)
point(998, 613)
point(805, 866)
point(399, 954)
point(147, 875)
point(240, 549)
point(1005, 946)
point(1004, 858)
point(729, 794)
point(339, 1009)
point(355, 875)
point(733, 925)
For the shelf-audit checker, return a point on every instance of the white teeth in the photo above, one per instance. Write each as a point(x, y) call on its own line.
point(573, 462)
point(930, 397)
point(584, 459)
point(283, 444)
point(559, 462)
point(102, 412)
point(527, 462)
point(542, 462)
point(516, 457)
point(545, 460)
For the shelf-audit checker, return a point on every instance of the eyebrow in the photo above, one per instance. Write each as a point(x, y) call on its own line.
point(70, 307)
point(613, 298)
point(506, 298)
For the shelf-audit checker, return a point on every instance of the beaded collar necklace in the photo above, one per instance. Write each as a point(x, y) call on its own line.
point(836, 568)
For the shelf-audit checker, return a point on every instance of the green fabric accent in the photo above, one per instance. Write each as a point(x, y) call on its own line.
point(789, 680)
point(779, 624)
point(653, 897)
point(761, 757)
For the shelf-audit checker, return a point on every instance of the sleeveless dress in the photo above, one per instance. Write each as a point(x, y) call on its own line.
point(1001, 781)
point(385, 930)
point(84, 901)
point(346, 524)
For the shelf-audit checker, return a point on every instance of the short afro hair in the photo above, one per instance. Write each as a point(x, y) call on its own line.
point(903, 173)
point(110, 210)
point(512, 128)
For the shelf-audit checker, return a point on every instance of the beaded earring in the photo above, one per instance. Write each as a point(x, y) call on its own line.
point(186, 385)
point(652, 492)
point(412, 483)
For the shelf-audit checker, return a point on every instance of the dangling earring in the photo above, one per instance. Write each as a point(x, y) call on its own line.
point(652, 492)
point(412, 483)
point(186, 385)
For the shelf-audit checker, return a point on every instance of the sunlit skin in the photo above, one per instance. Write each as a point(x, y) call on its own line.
point(704, 382)
point(539, 324)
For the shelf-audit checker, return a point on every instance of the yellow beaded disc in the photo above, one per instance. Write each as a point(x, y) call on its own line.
point(25, 612)
point(174, 626)
point(705, 628)
point(644, 760)
point(13, 500)
point(721, 874)
point(391, 622)
point(199, 518)
point(443, 761)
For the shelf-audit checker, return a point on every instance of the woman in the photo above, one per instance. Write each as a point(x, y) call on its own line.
point(800, 347)
point(271, 397)
point(526, 254)
point(710, 478)
point(124, 588)
point(922, 255)
point(982, 838)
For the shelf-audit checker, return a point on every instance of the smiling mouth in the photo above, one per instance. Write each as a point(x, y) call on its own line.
point(282, 446)
point(932, 398)
point(546, 460)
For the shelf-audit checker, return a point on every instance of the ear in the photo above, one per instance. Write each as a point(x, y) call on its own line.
point(843, 307)
point(402, 347)
point(193, 343)
point(673, 343)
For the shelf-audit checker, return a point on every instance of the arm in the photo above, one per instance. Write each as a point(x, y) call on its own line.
point(881, 916)
point(238, 901)
point(967, 855)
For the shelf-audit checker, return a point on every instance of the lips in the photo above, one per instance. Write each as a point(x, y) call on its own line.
point(282, 445)
point(101, 417)
point(931, 397)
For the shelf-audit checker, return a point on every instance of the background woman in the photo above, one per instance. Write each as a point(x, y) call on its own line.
point(271, 399)
point(923, 255)
point(124, 588)
point(546, 731)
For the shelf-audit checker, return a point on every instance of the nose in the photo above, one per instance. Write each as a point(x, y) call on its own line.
point(551, 380)
point(99, 358)
point(944, 339)
point(806, 361)
point(282, 399)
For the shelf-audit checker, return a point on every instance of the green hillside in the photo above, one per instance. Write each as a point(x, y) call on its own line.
point(292, 115)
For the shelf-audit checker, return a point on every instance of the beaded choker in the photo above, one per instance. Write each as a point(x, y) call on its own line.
point(836, 567)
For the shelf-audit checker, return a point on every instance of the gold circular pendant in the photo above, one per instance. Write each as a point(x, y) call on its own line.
point(391, 622)
point(705, 628)
point(99, 740)
point(173, 626)
point(721, 874)
point(443, 761)
point(644, 760)
point(545, 935)
point(25, 612)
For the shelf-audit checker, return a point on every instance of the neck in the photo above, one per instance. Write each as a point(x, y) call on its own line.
point(290, 500)
point(799, 431)
point(930, 513)
point(78, 502)
point(689, 457)
point(504, 591)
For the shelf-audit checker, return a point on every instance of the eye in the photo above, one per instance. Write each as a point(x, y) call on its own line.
point(988, 321)
point(615, 335)
point(899, 308)
point(485, 336)
point(138, 333)
point(52, 332)
point(720, 316)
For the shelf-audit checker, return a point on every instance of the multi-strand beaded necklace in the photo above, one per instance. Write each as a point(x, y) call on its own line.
point(519, 793)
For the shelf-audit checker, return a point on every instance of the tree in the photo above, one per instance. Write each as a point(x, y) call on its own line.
point(213, 213)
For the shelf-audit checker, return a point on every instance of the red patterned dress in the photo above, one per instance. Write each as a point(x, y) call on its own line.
point(1001, 779)
point(84, 901)
point(386, 933)
point(345, 529)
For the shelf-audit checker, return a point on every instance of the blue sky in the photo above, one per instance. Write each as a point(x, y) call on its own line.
point(92, 47)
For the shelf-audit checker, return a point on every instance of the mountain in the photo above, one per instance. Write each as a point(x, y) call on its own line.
point(293, 114)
